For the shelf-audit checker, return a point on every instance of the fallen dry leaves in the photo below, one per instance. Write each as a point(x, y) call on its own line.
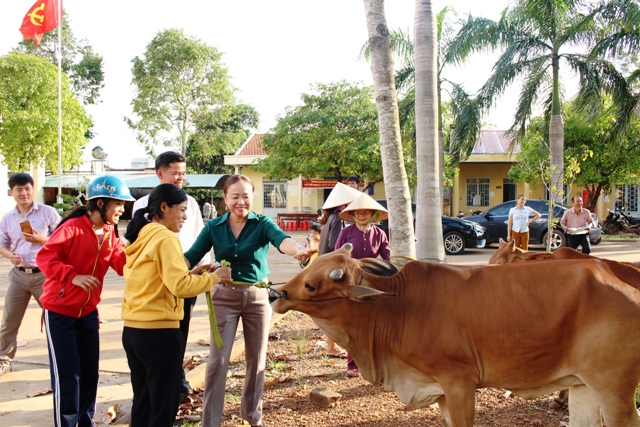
point(297, 363)
point(40, 392)
point(111, 414)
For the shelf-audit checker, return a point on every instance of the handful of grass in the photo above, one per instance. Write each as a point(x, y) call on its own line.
point(212, 315)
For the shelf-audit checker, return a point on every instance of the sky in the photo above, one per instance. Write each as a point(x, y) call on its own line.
point(274, 50)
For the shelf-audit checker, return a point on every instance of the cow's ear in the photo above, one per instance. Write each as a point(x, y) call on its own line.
point(362, 293)
point(512, 244)
point(378, 267)
point(500, 240)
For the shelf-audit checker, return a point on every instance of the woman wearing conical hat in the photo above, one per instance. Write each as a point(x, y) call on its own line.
point(338, 199)
point(368, 240)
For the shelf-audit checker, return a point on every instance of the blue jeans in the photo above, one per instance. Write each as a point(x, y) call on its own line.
point(74, 352)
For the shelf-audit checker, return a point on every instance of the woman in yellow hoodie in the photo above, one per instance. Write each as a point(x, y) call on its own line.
point(157, 279)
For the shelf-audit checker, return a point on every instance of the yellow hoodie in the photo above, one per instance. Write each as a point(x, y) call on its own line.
point(157, 278)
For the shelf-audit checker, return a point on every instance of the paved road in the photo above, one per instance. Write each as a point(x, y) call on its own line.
point(30, 368)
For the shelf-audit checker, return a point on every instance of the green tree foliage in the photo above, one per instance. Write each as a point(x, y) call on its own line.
point(178, 79)
point(607, 156)
point(79, 61)
point(596, 155)
point(334, 133)
point(218, 133)
point(533, 161)
point(29, 115)
point(538, 36)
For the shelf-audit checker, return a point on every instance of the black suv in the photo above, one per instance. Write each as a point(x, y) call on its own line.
point(458, 234)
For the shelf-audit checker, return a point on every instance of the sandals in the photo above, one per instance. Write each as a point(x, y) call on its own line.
point(5, 366)
point(353, 373)
point(340, 355)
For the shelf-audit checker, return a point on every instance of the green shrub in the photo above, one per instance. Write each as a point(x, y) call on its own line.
point(66, 205)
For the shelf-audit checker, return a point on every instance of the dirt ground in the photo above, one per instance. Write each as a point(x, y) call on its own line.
point(293, 374)
point(297, 364)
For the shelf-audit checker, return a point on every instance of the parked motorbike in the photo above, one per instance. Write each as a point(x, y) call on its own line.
point(617, 222)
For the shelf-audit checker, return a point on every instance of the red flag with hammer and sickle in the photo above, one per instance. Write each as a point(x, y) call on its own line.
point(42, 17)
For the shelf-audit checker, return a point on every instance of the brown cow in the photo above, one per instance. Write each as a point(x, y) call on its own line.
point(507, 252)
point(436, 333)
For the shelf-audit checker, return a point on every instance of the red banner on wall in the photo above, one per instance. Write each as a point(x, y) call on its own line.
point(319, 183)
point(322, 183)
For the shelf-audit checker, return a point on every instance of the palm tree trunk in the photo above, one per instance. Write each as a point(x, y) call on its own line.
point(429, 200)
point(556, 146)
point(396, 184)
point(556, 135)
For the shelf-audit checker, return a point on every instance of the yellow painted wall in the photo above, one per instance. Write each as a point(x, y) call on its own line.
point(494, 172)
point(312, 199)
point(256, 177)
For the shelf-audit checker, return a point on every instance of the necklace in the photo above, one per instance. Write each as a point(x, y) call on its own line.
point(236, 227)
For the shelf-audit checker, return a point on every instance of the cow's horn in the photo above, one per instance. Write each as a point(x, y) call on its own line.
point(347, 246)
point(336, 274)
point(378, 267)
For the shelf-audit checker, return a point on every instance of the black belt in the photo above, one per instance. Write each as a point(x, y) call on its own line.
point(30, 270)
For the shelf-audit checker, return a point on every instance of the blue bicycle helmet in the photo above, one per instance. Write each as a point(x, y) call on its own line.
point(110, 187)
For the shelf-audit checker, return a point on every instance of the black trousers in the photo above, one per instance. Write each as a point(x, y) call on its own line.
point(573, 241)
point(189, 304)
point(155, 360)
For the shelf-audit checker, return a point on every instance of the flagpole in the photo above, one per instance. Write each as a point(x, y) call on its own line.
point(60, 101)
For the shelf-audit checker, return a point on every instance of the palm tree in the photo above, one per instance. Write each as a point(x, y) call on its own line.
point(622, 43)
point(428, 148)
point(465, 109)
point(538, 36)
point(395, 175)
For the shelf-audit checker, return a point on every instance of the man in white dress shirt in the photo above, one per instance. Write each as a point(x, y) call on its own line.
point(171, 169)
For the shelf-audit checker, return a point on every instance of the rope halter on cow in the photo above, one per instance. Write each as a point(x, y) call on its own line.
point(334, 275)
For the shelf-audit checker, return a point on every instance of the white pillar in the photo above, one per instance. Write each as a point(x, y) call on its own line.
point(300, 192)
point(455, 196)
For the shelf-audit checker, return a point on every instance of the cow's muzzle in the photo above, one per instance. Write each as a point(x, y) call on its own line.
point(275, 294)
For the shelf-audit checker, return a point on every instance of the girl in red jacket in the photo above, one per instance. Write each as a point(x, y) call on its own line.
point(74, 262)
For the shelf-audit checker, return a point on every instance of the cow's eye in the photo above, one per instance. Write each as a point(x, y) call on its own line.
point(310, 288)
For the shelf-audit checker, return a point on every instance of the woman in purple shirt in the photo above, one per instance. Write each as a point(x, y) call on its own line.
point(368, 240)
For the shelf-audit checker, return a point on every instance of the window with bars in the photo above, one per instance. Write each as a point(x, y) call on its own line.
point(627, 198)
point(275, 194)
point(478, 191)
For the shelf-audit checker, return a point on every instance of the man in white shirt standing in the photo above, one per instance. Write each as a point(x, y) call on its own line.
point(171, 169)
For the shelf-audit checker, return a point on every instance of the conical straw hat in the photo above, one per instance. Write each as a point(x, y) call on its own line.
point(341, 195)
point(363, 202)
